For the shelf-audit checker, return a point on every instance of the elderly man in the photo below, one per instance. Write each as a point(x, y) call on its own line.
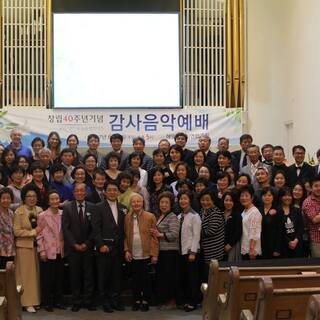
point(16, 144)
point(204, 143)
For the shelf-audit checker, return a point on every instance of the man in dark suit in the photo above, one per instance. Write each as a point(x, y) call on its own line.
point(181, 140)
point(204, 143)
point(300, 170)
point(99, 181)
point(108, 228)
point(317, 167)
point(78, 240)
point(240, 158)
point(279, 163)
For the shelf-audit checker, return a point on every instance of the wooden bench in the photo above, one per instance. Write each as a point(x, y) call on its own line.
point(3, 302)
point(219, 277)
point(242, 291)
point(289, 303)
point(313, 311)
point(12, 293)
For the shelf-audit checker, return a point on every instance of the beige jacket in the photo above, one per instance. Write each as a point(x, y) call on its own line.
point(25, 235)
point(150, 244)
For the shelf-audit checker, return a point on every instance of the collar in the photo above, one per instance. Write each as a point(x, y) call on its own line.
point(299, 165)
point(313, 198)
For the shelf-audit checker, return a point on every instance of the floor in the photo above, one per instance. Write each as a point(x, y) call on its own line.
point(154, 314)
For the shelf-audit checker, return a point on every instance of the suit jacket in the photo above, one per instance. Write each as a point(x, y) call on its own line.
point(236, 157)
point(51, 234)
point(73, 231)
point(211, 159)
point(247, 170)
point(23, 231)
point(105, 229)
point(94, 197)
point(306, 173)
point(316, 170)
point(187, 156)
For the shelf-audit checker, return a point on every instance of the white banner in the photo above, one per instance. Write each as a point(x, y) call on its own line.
point(152, 124)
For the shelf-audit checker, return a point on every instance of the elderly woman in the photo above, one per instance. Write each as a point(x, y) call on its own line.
point(51, 251)
point(26, 230)
point(7, 247)
point(167, 232)
point(140, 247)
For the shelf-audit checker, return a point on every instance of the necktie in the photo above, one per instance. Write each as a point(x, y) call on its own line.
point(298, 171)
point(81, 218)
point(244, 161)
point(180, 232)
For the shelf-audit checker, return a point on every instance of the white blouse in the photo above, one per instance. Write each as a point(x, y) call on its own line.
point(251, 230)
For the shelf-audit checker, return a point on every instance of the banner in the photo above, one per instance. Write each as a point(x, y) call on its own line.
point(152, 124)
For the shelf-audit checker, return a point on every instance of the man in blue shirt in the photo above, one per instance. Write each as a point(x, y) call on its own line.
point(16, 144)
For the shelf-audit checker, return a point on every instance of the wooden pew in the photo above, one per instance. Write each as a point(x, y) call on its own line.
point(243, 291)
point(219, 277)
point(12, 292)
point(313, 312)
point(290, 303)
point(3, 302)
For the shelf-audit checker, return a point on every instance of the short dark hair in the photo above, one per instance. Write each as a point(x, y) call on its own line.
point(278, 148)
point(88, 155)
point(225, 153)
point(246, 136)
point(133, 155)
point(135, 173)
point(177, 148)
point(139, 138)
point(318, 153)
point(116, 136)
point(315, 179)
point(266, 190)
point(157, 151)
point(100, 172)
point(35, 166)
point(52, 191)
point(56, 168)
point(91, 136)
point(298, 146)
point(66, 150)
point(233, 197)
point(38, 139)
point(78, 167)
point(187, 193)
point(210, 193)
point(125, 175)
point(111, 183)
point(8, 191)
point(244, 175)
point(111, 155)
point(267, 145)
point(180, 134)
point(16, 169)
point(202, 180)
point(222, 175)
point(26, 189)
point(179, 164)
point(167, 194)
point(283, 191)
point(248, 189)
point(182, 182)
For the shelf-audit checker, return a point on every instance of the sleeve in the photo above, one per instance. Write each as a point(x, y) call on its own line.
point(299, 225)
point(126, 245)
point(237, 229)
point(277, 234)
point(196, 225)
point(66, 227)
point(146, 198)
point(154, 245)
point(213, 225)
point(309, 211)
point(18, 229)
point(96, 222)
point(255, 226)
point(174, 226)
point(40, 238)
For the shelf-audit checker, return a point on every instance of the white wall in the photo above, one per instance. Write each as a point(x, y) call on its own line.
point(283, 55)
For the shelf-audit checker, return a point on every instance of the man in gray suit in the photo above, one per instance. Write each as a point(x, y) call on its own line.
point(253, 165)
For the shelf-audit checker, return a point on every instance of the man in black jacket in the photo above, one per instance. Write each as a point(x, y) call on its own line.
point(78, 241)
point(108, 228)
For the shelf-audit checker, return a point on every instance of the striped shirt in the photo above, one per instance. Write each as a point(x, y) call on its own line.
point(212, 240)
point(169, 226)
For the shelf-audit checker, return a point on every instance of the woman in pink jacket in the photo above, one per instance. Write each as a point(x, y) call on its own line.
point(50, 247)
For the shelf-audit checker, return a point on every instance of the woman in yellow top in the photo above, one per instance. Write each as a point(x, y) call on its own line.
point(25, 230)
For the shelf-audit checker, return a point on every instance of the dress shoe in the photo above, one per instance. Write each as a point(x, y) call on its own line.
point(31, 309)
point(48, 308)
point(190, 308)
point(144, 307)
point(75, 308)
point(118, 306)
point(60, 306)
point(91, 307)
point(136, 306)
point(107, 308)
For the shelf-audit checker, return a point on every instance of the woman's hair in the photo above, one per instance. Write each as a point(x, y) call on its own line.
point(178, 149)
point(179, 164)
point(284, 191)
point(22, 157)
point(88, 155)
point(26, 189)
point(247, 189)
point(152, 173)
point(112, 155)
point(72, 135)
point(187, 193)
point(222, 175)
point(54, 133)
point(167, 194)
point(210, 193)
point(243, 175)
point(5, 153)
point(196, 152)
point(35, 166)
point(7, 191)
point(133, 155)
point(233, 197)
point(50, 193)
point(38, 139)
point(78, 167)
point(17, 169)
point(278, 172)
point(304, 190)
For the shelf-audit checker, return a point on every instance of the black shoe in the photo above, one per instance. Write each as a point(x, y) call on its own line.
point(136, 306)
point(60, 306)
point(144, 307)
point(189, 308)
point(75, 308)
point(107, 308)
point(91, 307)
point(48, 308)
point(118, 306)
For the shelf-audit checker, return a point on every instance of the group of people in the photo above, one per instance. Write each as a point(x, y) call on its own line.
point(101, 214)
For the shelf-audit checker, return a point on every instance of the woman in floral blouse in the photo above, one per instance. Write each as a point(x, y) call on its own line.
point(7, 248)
